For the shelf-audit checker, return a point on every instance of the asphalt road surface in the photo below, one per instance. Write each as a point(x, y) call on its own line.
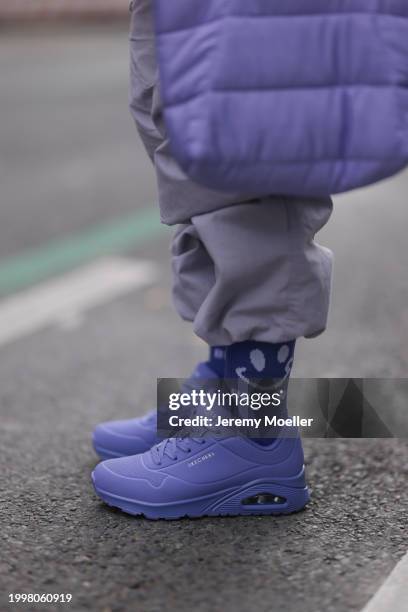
point(69, 161)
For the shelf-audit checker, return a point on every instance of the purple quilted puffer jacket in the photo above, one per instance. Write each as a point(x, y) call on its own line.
point(288, 97)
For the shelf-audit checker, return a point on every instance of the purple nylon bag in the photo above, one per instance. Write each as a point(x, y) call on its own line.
point(293, 97)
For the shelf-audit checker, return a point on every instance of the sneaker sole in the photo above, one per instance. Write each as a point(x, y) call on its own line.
point(221, 504)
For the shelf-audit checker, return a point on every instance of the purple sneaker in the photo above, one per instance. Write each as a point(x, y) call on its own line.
point(206, 477)
point(122, 438)
point(133, 436)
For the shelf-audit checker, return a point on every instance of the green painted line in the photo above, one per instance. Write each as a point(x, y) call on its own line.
point(38, 264)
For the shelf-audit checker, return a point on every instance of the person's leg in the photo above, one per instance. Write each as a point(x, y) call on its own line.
point(253, 271)
point(252, 278)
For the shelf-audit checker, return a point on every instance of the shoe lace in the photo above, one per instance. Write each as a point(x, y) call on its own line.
point(171, 446)
point(184, 443)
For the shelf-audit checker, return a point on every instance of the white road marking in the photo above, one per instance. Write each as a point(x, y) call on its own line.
point(65, 299)
point(393, 594)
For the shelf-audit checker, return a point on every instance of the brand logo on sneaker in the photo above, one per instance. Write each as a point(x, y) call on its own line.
point(201, 459)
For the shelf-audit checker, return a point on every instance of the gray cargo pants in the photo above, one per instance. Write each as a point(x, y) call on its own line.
point(245, 268)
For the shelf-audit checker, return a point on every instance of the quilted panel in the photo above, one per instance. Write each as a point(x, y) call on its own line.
point(286, 97)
